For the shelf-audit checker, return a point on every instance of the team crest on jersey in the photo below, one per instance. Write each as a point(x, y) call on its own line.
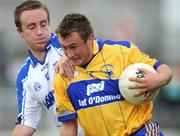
point(107, 69)
point(37, 86)
point(45, 67)
point(76, 73)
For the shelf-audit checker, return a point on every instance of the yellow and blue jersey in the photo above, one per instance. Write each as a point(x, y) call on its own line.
point(93, 96)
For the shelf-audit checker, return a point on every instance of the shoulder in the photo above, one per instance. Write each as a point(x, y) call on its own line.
point(55, 44)
point(54, 41)
point(118, 43)
point(23, 70)
point(123, 46)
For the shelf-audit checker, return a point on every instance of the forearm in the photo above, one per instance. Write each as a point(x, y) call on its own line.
point(22, 130)
point(165, 74)
point(69, 128)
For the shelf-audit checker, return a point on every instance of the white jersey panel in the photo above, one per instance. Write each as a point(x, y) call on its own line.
point(35, 86)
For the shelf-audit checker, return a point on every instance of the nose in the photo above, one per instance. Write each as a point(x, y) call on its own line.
point(39, 30)
point(69, 53)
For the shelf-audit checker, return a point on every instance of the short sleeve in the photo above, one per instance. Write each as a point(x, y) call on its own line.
point(29, 109)
point(65, 110)
point(137, 56)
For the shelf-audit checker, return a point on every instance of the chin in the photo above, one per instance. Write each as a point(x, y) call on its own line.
point(76, 63)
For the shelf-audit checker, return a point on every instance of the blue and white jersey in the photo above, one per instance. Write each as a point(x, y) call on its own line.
point(35, 85)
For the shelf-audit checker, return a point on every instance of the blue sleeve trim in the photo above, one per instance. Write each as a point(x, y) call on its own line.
point(19, 120)
point(157, 64)
point(67, 117)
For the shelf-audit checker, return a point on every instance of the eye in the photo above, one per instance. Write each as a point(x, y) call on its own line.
point(73, 47)
point(31, 27)
point(44, 23)
point(64, 48)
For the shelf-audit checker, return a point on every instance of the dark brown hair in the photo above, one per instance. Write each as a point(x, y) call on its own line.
point(28, 5)
point(75, 23)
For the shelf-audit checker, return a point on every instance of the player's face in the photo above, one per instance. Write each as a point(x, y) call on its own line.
point(77, 51)
point(35, 29)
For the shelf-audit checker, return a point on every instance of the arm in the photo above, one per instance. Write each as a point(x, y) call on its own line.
point(153, 81)
point(165, 73)
point(65, 111)
point(69, 128)
point(64, 67)
point(29, 110)
point(22, 130)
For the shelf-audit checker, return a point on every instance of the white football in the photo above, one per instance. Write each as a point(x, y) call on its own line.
point(132, 71)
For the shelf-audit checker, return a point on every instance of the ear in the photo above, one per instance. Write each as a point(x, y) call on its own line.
point(91, 37)
point(20, 31)
point(90, 40)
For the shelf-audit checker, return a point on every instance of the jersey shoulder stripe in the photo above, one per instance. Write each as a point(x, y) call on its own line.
point(122, 43)
point(55, 42)
point(23, 71)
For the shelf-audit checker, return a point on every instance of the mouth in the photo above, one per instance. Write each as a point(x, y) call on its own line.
point(74, 59)
point(40, 41)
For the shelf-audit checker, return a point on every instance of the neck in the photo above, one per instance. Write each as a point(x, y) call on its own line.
point(90, 56)
point(39, 55)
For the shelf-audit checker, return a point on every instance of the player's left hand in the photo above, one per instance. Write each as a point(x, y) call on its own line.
point(65, 68)
point(147, 84)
